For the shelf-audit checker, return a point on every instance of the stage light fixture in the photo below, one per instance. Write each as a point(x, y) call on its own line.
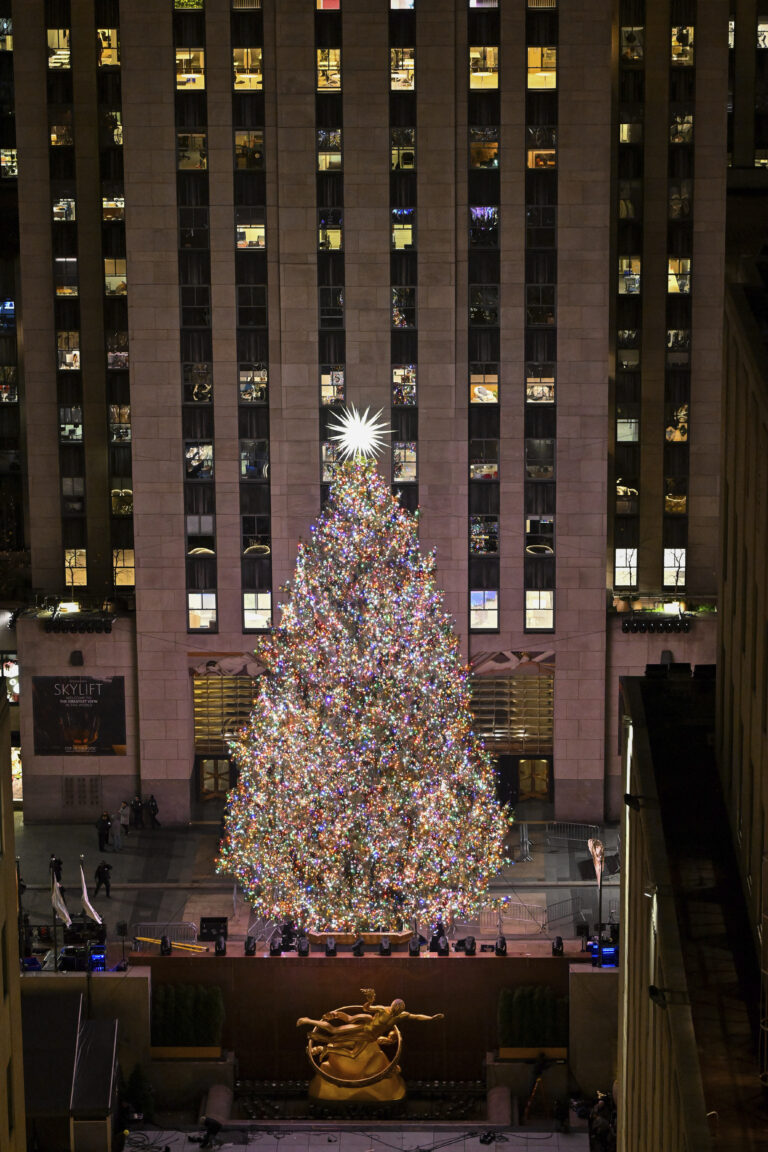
point(275, 946)
point(249, 948)
point(557, 946)
point(358, 948)
point(414, 946)
point(385, 946)
point(500, 947)
point(470, 945)
point(220, 947)
point(302, 948)
point(330, 946)
point(165, 946)
point(634, 626)
point(625, 625)
point(443, 947)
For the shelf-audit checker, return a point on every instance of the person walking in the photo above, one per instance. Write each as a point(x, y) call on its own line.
point(103, 824)
point(101, 876)
point(137, 808)
point(124, 816)
point(153, 809)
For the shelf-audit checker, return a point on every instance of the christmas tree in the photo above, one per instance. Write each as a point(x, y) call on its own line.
point(364, 798)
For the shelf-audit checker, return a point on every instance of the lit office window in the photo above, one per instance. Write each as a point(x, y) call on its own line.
point(629, 275)
point(681, 128)
point(197, 383)
point(329, 69)
point(250, 228)
point(762, 34)
point(681, 50)
point(6, 34)
point(403, 462)
point(328, 5)
point(402, 69)
point(330, 229)
point(191, 150)
point(253, 383)
point(249, 149)
point(254, 459)
point(9, 387)
point(483, 459)
point(75, 568)
point(121, 495)
point(329, 158)
point(675, 495)
point(539, 610)
point(65, 275)
point(198, 460)
point(257, 611)
point(190, 68)
point(198, 5)
point(674, 567)
point(403, 307)
point(331, 383)
point(542, 67)
point(679, 274)
point(625, 568)
point(247, 69)
point(627, 424)
point(71, 424)
point(401, 4)
point(484, 535)
point(540, 536)
point(108, 47)
point(255, 538)
point(631, 132)
point(403, 385)
point(483, 383)
point(484, 147)
point(58, 47)
point(676, 431)
point(539, 383)
point(484, 227)
point(329, 460)
point(678, 346)
point(632, 44)
point(61, 135)
point(483, 610)
point(112, 208)
point(115, 283)
point(201, 536)
point(64, 209)
point(483, 3)
point(201, 611)
point(483, 66)
point(403, 227)
point(541, 147)
point(68, 351)
point(123, 567)
point(403, 147)
point(120, 423)
point(732, 33)
point(9, 163)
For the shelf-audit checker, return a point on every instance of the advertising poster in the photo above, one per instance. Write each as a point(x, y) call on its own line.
point(78, 715)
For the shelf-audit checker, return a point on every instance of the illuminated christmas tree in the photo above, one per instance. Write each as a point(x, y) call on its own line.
point(364, 798)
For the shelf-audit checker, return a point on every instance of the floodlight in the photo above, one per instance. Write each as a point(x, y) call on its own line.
point(470, 947)
point(249, 948)
point(302, 948)
point(165, 946)
point(385, 946)
point(330, 946)
point(443, 947)
point(557, 946)
point(414, 946)
point(275, 946)
point(358, 948)
point(500, 947)
point(220, 947)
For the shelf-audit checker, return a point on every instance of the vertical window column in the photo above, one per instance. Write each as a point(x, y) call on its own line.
point(403, 260)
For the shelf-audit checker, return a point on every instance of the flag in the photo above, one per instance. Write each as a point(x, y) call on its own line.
point(57, 900)
point(88, 908)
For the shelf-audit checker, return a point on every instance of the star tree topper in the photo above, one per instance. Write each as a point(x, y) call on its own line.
point(359, 435)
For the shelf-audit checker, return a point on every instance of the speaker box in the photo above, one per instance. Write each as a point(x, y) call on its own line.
point(211, 927)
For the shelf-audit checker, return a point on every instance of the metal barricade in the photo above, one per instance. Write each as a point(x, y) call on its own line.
point(561, 834)
point(178, 933)
point(563, 910)
point(513, 914)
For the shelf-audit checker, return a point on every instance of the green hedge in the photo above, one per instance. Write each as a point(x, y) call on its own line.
point(187, 1014)
point(532, 1016)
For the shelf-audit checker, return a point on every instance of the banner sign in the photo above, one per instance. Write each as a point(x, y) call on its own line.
point(78, 715)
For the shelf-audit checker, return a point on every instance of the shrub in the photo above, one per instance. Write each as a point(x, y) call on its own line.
point(187, 1014)
point(532, 1016)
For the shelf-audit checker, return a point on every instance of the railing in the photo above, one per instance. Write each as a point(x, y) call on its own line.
point(178, 933)
point(563, 910)
point(512, 913)
point(560, 833)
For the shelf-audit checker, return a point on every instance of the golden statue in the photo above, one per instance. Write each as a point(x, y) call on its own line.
point(355, 1050)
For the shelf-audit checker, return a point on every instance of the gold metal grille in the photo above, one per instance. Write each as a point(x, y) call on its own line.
point(222, 704)
point(515, 715)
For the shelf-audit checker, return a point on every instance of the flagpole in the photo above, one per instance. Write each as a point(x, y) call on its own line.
point(55, 945)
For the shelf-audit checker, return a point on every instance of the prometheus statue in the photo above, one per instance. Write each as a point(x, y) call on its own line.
point(355, 1050)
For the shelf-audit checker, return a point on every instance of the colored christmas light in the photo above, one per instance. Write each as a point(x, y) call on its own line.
point(363, 798)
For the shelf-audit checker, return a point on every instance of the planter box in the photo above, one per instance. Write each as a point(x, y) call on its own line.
point(185, 1052)
point(532, 1053)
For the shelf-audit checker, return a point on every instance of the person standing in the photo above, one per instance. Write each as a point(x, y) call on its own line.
point(103, 824)
point(116, 835)
point(101, 876)
point(152, 809)
point(137, 808)
point(124, 815)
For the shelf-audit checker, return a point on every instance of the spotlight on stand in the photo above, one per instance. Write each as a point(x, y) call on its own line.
point(330, 946)
point(557, 946)
point(414, 946)
point(249, 948)
point(220, 947)
point(434, 939)
point(443, 947)
point(275, 945)
point(385, 946)
point(165, 946)
point(500, 947)
point(470, 946)
point(302, 948)
point(358, 948)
